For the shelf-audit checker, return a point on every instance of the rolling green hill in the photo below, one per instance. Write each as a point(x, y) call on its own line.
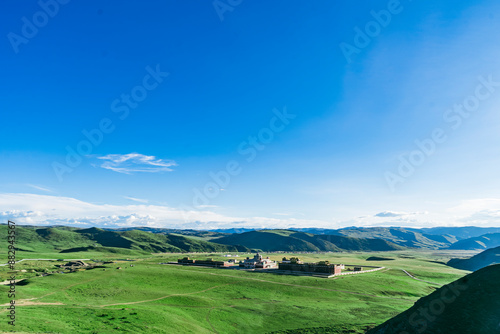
point(482, 242)
point(468, 305)
point(52, 239)
point(286, 240)
point(157, 240)
point(400, 236)
point(481, 260)
point(460, 232)
point(207, 235)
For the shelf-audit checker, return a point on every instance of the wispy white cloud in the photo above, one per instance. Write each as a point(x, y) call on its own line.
point(34, 186)
point(480, 212)
point(140, 200)
point(207, 206)
point(36, 209)
point(26, 216)
point(470, 206)
point(483, 217)
point(135, 162)
point(56, 210)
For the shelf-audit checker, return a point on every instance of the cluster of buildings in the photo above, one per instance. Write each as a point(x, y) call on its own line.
point(323, 267)
point(207, 262)
point(293, 264)
point(258, 262)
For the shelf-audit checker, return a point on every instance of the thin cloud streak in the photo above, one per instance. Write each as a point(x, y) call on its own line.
point(40, 188)
point(140, 200)
point(135, 162)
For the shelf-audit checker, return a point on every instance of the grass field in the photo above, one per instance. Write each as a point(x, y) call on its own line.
point(155, 298)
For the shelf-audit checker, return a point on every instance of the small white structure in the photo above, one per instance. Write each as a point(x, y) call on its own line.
point(258, 262)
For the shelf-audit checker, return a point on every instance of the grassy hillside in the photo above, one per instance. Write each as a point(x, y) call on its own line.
point(481, 260)
point(44, 239)
point(462, 232)
point(482, 242)
point(207, 235)
point(361, 244)
point(268, 241)
point(400, 236)
point(54, 240)
point(154, 298)
point(286, 240)
point(468, 305)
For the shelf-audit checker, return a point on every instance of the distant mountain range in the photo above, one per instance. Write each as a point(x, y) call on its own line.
point(462, 232)
point(147, 239)
point(478, 261)
point(467, 237)
point(64, 239)
point(486, 241)
point(286, 240)
point(400, 236)
point(468, 305)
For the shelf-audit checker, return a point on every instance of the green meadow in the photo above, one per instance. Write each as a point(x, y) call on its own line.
point(156, 298)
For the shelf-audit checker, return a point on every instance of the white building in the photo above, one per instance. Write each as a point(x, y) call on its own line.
point(258, 262)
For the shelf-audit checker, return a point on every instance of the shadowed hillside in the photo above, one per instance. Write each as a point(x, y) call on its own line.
point(400, 236)
point(188, 232)
point(469, 305)
point(482, 242)
point(54, 239)
point(286, 240)
point(460, 232)
point(481, 260)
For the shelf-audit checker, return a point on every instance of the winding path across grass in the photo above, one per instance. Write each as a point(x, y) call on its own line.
point(167, 296)
point(421, 280)
point(6, 264)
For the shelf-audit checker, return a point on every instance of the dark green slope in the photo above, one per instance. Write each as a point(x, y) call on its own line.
point(54, 239)
point(267, 241)
point(400, 236)
point(482, 242)
point(153, 243)
point(469, 305)
point(106, 238)
point(406, 237)
point(316, 240)
point(361, 244)
point(285, 240)
point(44, 239)
point(478, 261)
point(189, 232)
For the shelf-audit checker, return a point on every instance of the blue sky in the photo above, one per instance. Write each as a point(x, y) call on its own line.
point(321, 113)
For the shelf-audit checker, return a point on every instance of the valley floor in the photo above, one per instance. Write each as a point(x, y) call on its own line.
point(154, 298)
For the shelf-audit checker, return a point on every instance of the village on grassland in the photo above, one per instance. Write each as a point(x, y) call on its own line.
point(222, 292)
